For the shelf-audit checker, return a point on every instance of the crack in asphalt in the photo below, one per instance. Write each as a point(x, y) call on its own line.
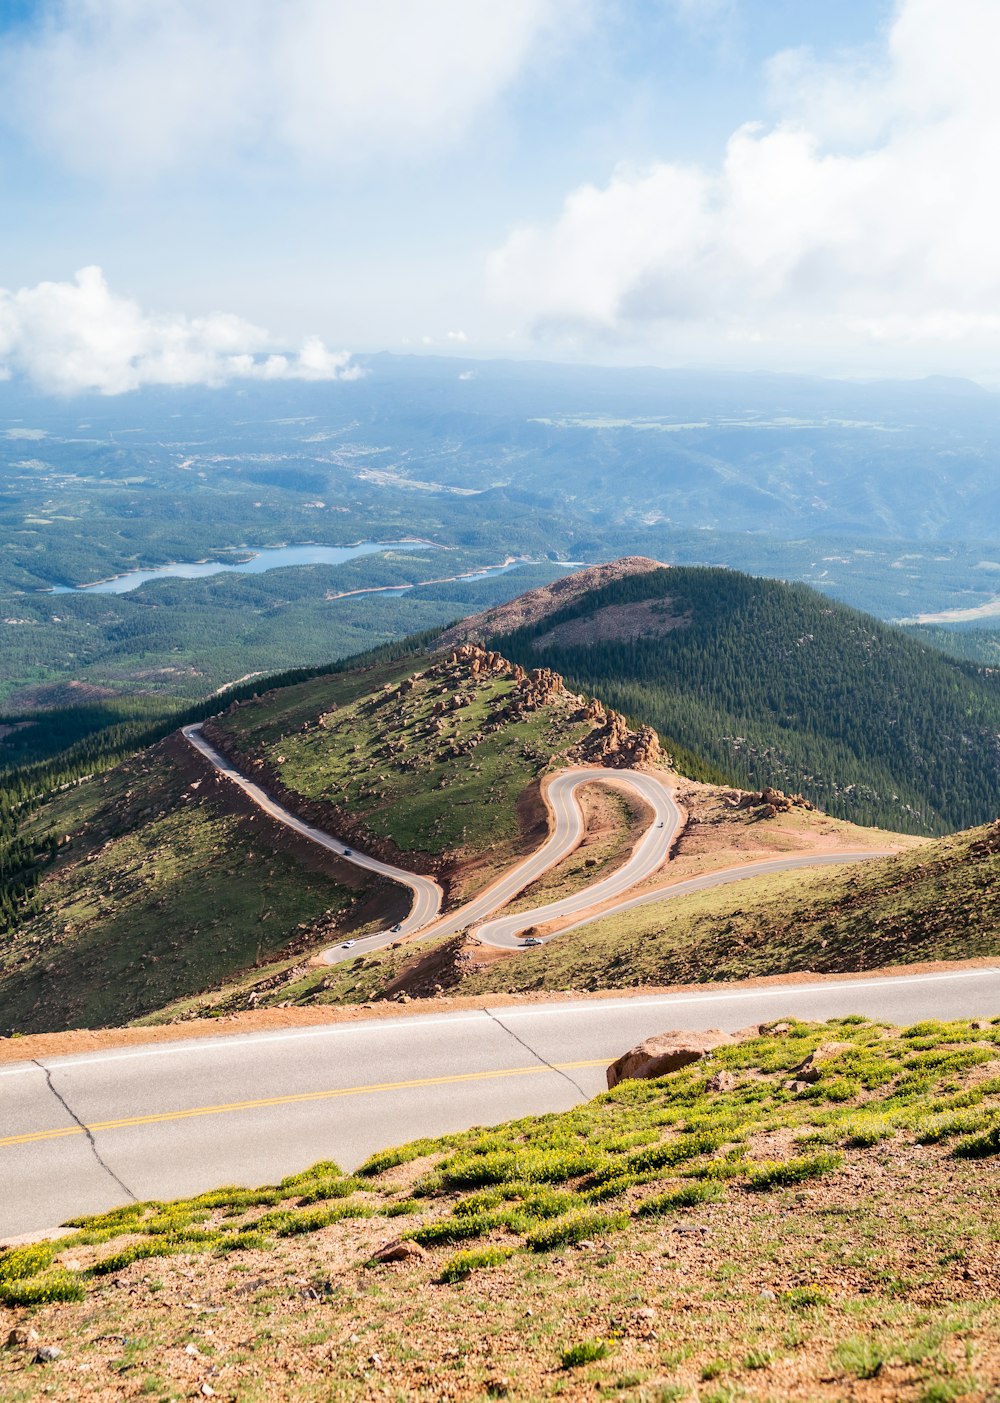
point(544, 1060)
point(86, 1130)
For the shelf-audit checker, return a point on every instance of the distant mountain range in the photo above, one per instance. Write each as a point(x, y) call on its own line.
point(885, 496)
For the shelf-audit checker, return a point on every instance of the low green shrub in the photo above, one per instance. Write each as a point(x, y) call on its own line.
point(672, 1152)
point(730, 1166)
point(388, 1159)
point(531, 1165)
point(235, 1199)
point(586, 1352)
point(782, 1174)
point(861, 1132)
point(611, 1187)
point(980, 1146)
point(248, 1241)
point(121, 1217)
point(462, 1264)
point(861, 1356)
point(687, 1197)
point(942, 1127)
point(944, 1059)
point(546, 1203)
point(574, 1227)
point(58, 1285)
point(457, 1229)
point(805, 1297)
point(171, 1220)
point(291, 1222)
point(25, 1261)
point(323, 1189)
point(322, 1169)
point(139, 1251)
point(401, 1208)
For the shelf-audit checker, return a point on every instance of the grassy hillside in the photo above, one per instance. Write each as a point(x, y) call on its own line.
point(167, 884)
point(938, 901)
point(776, 684)
point(164, 885)
point(804, 1215)
point(428, 757)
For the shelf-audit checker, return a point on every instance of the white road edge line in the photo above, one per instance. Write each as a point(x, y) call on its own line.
point(237, 1041)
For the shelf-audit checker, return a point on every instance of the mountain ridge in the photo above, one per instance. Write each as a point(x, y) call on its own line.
point(775, 684)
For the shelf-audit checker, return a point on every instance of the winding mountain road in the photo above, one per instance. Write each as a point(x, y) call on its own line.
point(504, 933)
point(85, 1133)
point(427, 894)
point(566, 831)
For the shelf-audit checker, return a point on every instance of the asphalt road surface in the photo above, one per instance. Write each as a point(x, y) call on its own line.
point(83, 1134)
point(567, 828)
point(566, 831)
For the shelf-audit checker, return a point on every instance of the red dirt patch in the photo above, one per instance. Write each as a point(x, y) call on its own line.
point(647, 618)
point(540, 603)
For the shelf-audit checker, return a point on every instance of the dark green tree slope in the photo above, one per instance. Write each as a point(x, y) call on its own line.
point(776, 684)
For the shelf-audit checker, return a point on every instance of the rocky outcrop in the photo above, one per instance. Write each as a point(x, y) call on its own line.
point(769, 802)
point(403, 1249)
point(612, 741)
point(477, 662)
point(989, 843)
point(811, 1070)
point(666, 1053)
point(722, 1081)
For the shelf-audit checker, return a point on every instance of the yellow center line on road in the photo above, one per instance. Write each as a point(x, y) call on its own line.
point(263, 1102)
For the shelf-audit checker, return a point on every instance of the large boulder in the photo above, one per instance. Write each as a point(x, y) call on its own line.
point(665, 1053)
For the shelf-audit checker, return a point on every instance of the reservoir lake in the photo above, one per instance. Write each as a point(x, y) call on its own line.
point(268, 559)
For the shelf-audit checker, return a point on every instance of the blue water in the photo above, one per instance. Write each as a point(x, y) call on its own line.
point(272, 559)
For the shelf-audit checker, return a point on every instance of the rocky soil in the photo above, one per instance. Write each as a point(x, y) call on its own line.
point(540, 603)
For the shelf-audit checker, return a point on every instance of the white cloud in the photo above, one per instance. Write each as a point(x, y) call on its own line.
point(130, 87)
point(73, 336)
point(865, 216)
point(458, 336)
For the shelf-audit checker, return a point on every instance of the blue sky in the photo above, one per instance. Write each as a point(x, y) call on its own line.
point(777, 184)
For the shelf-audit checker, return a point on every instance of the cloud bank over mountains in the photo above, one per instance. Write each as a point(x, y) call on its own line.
point(552, 176)
point(864, 216)
point(118, 88)
point(68, 337)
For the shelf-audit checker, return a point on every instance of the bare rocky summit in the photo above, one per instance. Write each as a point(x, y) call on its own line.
point(540, 603)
